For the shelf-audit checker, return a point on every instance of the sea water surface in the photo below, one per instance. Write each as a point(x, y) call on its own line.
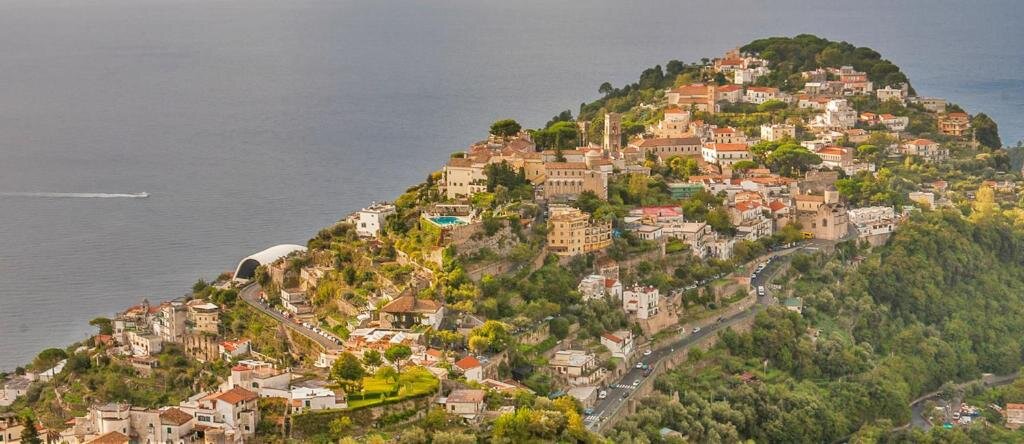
point(253, 123)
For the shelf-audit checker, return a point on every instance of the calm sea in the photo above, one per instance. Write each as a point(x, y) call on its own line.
point(253, 123)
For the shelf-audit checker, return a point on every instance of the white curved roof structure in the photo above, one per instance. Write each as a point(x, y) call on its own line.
point(247, 266)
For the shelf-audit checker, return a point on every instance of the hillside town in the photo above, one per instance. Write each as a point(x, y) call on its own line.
point(557, 272)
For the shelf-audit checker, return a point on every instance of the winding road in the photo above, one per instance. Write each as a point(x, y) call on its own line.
point(621, 390)
point(251, 295)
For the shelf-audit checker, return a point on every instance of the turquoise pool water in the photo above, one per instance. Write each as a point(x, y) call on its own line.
point(447, 221)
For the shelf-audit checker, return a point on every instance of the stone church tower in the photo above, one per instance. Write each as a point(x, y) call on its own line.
point(612, 132)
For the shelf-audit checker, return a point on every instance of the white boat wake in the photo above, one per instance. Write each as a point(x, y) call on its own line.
point(75, 195)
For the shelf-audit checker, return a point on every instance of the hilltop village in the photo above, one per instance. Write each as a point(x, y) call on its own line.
point(548, 284)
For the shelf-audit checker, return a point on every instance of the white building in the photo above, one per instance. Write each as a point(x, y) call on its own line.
point(873, 220)
point(316, 398)
point(641, 301)
point(620, 343)
point(725, 154)
point(890, 93)
point(596, 286)
point(369, 220)
point(838, 115)
point(779, 131)
point(260, 377)
point(761, 94)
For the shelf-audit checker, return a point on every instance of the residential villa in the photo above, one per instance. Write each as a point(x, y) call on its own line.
point(954, 124)
point(619, 342)
point(577, 367)
point(698, 97)
point(370, 220)
point(761, 94)
point(925, 148)
point(470, 367)
point(725, 154)
point(204, 316)
point(641, 302)
point(263, 378)
point(779, 131)
point(408, 311)
point(596, 286)
point(467, 403)
point(571, 232)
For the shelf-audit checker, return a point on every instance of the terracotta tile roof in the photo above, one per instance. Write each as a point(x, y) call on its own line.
point(764, 89)
point(921, 142)
point(809, 198)
point(612, 337)
point(1014, 406)
point(235, 395)
point(729, 146)
point(111, 438)
point(459, 162)
point(466, 396)
point(834, 150)
point(411, 304)
point(776, 205)
point(675, 111)
point(467, 363)
point(729, 88)
point(691, 90)
point(668, 141)
point(565, 166)
point(748, 205)
point(174, 416)
point(726, 130)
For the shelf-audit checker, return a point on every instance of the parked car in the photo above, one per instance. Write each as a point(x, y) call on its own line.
point(602, 394)
point(639, 365)
point(696, 329)
point(647, 352)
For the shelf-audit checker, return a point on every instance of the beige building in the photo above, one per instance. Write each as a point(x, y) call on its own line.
point(204, 316)
point(578, 367)
point(728, 135)
point(668, 147)
point(824, 216)
point(569, 179)
point(928, 149)
point(698, 97)
point(773, 133)
point(466, 403)
point(571, 232)
point(464, 177)
point(676, 123)
point(954, 124)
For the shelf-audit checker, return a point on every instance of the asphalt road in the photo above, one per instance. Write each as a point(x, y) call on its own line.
point(251, 295)
point(621, 390)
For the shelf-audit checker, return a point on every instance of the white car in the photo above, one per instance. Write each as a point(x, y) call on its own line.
point(639, 365)
point(760, 290)
point(696, 329)
point(602, 394)
point(647, 352)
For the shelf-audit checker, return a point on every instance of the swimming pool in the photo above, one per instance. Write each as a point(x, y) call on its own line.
point(447, 221)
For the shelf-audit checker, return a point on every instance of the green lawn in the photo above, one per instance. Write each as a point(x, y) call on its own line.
point(414, 381)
